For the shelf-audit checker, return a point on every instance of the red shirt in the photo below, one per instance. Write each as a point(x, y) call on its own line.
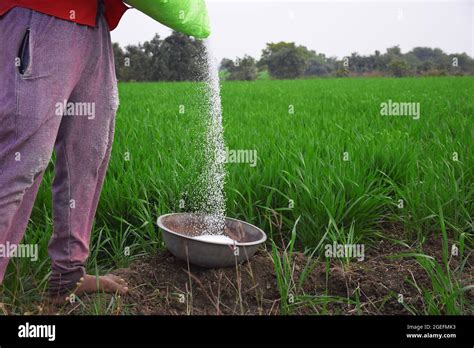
point(78, 11)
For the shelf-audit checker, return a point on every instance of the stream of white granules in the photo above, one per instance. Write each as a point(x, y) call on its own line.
point(213, 200)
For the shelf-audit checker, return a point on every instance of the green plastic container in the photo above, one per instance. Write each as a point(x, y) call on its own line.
point(189, 17)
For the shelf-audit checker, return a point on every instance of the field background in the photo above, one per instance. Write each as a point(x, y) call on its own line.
point(300, 158)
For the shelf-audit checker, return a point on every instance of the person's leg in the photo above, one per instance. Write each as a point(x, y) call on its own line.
point(83, 150)
point(29, 124)
point(20, 220)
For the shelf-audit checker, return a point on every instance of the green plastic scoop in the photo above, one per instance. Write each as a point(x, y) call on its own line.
point(186, 16)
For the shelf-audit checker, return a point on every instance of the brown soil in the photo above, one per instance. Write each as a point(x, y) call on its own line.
point(165, 285)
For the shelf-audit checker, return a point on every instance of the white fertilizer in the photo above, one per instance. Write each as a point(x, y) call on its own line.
point(218, 239)
point(213, 202)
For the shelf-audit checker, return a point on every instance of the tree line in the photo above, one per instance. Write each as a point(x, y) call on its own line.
point(180, 58)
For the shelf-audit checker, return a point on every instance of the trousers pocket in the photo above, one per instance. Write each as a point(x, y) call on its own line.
point(24, 53)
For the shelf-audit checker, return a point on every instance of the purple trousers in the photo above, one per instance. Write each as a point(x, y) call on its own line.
point(58, 92)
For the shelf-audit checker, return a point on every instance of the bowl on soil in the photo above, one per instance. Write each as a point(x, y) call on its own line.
point(238, 243)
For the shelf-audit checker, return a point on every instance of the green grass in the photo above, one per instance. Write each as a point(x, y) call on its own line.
point(301, 171)
point(301, 155)
point(446, 295)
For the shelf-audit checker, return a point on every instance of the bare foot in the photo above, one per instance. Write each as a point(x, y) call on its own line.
point(108, 283)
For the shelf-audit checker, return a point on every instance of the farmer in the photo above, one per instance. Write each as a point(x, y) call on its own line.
point(58, 91)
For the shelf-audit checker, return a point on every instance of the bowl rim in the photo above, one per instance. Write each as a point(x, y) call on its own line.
point(260, 241)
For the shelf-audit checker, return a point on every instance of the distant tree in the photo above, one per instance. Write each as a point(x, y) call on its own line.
point(177, 58)
point(380, 61)
point(428, 54)
point(461, 63)
point(394, 51)
point(182, 56)
point(398, 68)
point(137, 64)
point(158, 69)
point(355, 63)
point(242, 69)
point(319, 65)
point(316, 68)
point(226, 64)
point(119, 56)
point(427, 60)
point(285, 60)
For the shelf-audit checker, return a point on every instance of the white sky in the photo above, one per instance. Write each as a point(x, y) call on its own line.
point(336, 28)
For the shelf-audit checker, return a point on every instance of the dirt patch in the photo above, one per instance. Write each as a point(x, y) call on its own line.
point(164, 285)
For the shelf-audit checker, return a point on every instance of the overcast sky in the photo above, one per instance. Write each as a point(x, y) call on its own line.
point(336, 28)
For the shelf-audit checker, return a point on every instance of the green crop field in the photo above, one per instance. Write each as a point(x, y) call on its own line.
point(325, 154)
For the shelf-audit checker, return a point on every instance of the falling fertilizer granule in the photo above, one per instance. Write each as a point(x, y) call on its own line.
point(213, 201)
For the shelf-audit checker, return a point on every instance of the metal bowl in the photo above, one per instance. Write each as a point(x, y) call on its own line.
point(180, 229)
